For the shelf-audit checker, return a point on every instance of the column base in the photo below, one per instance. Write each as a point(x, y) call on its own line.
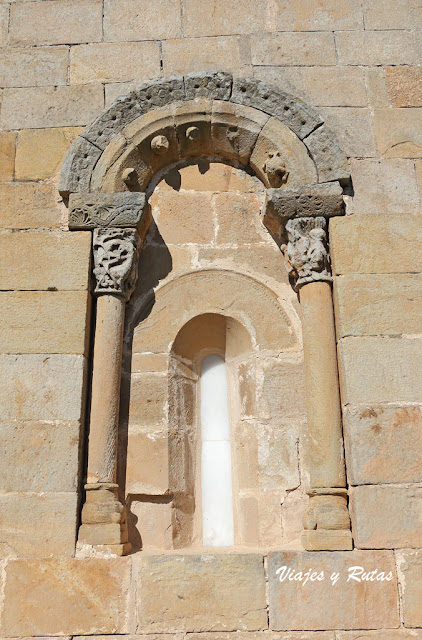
point(104, 525)
point(327, 540)
point(326, 521)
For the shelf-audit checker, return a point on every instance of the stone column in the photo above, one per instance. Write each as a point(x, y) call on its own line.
point(303, 214)
point(116, 255)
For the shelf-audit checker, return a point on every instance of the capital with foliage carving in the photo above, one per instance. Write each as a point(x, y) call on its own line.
point(116, 253)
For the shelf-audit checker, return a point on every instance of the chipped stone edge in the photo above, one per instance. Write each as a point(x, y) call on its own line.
point(302, 119)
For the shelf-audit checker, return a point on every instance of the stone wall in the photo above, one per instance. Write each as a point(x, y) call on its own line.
point(357, 63)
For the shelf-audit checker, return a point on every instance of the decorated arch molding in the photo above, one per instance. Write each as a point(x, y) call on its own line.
point(107, 176)
point(165, 121)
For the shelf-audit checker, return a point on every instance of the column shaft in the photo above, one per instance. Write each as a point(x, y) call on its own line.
point(107, 365)
point(327, 467)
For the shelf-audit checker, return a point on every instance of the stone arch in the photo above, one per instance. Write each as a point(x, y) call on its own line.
point(108, 174)
point(240, 120)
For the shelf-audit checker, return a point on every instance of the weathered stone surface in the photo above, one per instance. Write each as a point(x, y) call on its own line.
point(159, 93)
point(102, 62)
point(254, 93)
point(193, 127)
point(375, 47)
point(215, 85)
point(286, 48)
point(354, 129)
point(398, 132)
point(385, 634)
point(404, 86)
point(78, 166)
point(7, 154)
point(42, 107)
point(39, 525)
point(279, 157)
point(44, 321)
point(195, 54)
point(33, 260)
point(148, 397)
point(42, 455)
point(277, 457)
point(386, 304)
point(152, 523)
point(147, 469)
point(375, 84)
point(319, 86)
point(409, 565)
point(57, 22)
point(4, 24)
point(262, 635)
point(140, 20)
point(328, 156)
point(388, 186)
point(118, 115)
point(41, 387)
point(234, 130)
point(309, 15)
point(40, 152)
point(294, 604)
point(386, 516)
point(376, 369)
point(89, 595)
point(35, 66)
point(238, 219)
point(92, 210)
point(222, 20)
point(192, 227)
point(210, 291)
point(307, 201)
point(391, 14)
point(283, 392)
point(202, 592)
point(362, 244)
point(383, 443)
point(26, 205)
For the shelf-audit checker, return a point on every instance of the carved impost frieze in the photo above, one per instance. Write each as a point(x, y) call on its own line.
point(116, 254)
point(308, 201)
point(306, 253)
point(104, 210)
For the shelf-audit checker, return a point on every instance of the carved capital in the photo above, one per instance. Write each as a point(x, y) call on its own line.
point(306, 253)
point(116, 253)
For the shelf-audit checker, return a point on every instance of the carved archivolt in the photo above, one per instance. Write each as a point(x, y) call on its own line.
point(240, 120)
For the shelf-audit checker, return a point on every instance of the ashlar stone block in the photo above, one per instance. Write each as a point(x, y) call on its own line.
point(378, 369)
point(201, 592)
point(385, 304)
point(39, 525)
point(409, 565)
point(362, 244)
point(296, 605)
point(44, 321)
point(40, 152)
point(41, 387)
point(383, 443)
point(45, 261)
point(386, 516)
point(43, 455)
point(89, 595)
